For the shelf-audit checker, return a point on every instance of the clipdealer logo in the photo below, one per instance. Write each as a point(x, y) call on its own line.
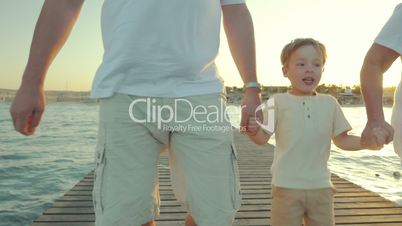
point(197, 117)
point(173, 117)
point(269, 109)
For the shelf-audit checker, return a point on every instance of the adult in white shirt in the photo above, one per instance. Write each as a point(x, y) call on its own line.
point(159, 55)
point(387, 47)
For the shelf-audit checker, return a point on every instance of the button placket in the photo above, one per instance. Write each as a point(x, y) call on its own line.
point(308, 107)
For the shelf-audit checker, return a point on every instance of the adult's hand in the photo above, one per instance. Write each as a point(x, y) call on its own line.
point(52, 29)
point(251, 100)
point(376, 134)
point(27, 109)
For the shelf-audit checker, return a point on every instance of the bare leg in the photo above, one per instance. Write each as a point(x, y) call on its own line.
point(189, 220)
point(151, 223)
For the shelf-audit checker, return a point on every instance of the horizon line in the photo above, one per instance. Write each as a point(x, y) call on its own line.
point(72, 90)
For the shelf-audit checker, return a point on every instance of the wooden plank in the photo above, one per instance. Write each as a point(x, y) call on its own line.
point(63, 224)
point(371, 224)
point(71, 210)
point(246, 194)
point(373, 219)
point(66, 218)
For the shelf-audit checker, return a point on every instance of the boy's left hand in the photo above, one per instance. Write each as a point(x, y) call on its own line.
point(381, 138)
point(376, 134)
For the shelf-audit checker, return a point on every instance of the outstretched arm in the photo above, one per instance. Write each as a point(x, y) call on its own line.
point(240, 35)
point(347, 142)
point(376, 63)
point(52, 29)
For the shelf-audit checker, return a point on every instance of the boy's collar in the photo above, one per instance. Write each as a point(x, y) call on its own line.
point(314, 94)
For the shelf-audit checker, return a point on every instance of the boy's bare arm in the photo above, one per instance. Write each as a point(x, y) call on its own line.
point(348, 142)
point(260, 137)
point(52, 29)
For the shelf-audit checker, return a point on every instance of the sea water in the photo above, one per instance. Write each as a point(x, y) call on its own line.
point(36, 170)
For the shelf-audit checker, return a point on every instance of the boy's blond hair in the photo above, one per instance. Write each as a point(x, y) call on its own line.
point(299, 42)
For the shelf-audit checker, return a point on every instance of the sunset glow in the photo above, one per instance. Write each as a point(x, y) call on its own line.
point(347, 28)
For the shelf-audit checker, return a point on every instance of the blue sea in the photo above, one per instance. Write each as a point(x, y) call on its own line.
point(38, 169)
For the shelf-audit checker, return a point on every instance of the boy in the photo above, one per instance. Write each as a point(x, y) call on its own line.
point(305, 122)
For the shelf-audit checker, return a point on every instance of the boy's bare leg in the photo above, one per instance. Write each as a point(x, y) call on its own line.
point(189, 220)
point(151, 223)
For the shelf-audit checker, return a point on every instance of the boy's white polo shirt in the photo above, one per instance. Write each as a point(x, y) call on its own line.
point(304, 127)
point(160, 48)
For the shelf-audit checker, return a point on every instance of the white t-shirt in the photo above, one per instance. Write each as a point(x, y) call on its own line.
point(304, 127)
point(391, 34)
point(391, 37)
point(160, 48)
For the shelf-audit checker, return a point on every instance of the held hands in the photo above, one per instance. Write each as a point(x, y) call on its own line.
point(253, 124)
point(249, 104)
point(376, 134)
point(27, 109)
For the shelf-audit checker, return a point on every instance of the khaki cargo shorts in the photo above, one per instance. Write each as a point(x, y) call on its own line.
point(203, 160)
point(291, 206)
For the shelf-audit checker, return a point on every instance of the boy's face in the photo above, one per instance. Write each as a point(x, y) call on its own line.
point(304, 70)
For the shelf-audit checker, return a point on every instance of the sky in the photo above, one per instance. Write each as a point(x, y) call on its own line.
point(346, 27)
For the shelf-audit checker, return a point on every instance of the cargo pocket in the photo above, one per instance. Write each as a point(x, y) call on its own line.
point(236, 196)
point(98, 189)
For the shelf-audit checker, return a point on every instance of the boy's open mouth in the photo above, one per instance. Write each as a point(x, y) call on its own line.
point(308, 81)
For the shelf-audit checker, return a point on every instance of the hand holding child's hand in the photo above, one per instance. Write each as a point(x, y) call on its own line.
point(376, 134)
point(381, 137)
point(253, 125)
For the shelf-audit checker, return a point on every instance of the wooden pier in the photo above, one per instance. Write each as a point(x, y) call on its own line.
point(353, 204)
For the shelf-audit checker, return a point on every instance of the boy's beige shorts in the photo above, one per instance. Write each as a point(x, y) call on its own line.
point(291, 206)
point(202, 157)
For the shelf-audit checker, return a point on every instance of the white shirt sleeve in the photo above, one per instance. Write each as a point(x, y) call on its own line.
point(340, 123)
point(391, 34)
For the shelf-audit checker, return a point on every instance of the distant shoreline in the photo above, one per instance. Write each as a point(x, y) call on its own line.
point(96, 101)
point(345, 95)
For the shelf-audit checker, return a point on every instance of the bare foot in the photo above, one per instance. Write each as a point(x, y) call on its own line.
point(189, 220)
point(151, 223)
